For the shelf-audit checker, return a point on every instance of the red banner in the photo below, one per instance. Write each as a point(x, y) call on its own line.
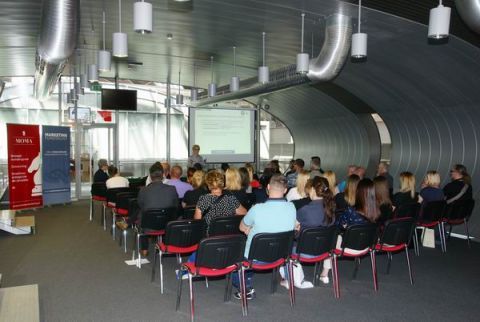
point(24, 166)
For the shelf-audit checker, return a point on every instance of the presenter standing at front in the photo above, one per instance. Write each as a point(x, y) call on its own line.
point(196, 157)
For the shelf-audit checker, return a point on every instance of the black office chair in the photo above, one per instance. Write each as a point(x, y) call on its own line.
point(111, 200)
point(361, 239)
point(216, 256)
point(273, 249)
point(407, 210)
point(181, 237)
point(395, 237)
point(98, 193)
point(225, 226)
point(121, 209)
point(188, 212)
point(153, 223)
point(457, 213)
point(318, 242)
point(431, 215)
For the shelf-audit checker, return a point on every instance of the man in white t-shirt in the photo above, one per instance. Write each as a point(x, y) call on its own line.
point(116, 181)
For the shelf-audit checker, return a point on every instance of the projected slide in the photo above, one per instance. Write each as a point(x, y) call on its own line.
point(224, 135)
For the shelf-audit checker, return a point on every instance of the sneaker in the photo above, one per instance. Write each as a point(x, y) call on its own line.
point(285, 284)
point(184, 274)
point(324, 279)
point(304, 284)
point(250, 294)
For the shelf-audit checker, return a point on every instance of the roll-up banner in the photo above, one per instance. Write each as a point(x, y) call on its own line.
point(56, 164)
point(24, 166)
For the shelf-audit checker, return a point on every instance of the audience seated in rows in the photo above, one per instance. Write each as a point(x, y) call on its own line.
point(101, 174)
point(460, 188)
point(382, 170)
point(233, 186)
point(298, 166)
point(298, 192)
point(430, 188)
point(407, 194)
point(382, 194)
point(346, 199)
point(315, 167)
point(190, 199)
point(343, 185)
point(332, 181)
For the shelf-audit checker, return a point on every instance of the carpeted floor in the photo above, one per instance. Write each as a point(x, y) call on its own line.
point(82, 277)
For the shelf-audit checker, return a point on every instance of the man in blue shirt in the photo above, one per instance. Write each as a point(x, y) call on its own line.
point(274, 216)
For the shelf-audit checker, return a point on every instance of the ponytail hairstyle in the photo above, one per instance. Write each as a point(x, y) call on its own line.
point(321, 188)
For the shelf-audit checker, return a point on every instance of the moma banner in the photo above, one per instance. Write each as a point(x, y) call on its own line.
point(24, 166)
point(56, 164)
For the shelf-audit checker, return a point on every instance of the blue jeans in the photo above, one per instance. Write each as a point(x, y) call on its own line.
point(248, 277)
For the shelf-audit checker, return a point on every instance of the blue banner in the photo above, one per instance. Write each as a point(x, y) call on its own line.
point(56, 164)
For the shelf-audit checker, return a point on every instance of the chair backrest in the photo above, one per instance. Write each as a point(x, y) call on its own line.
point(225, 226)
point(460, 209)
point(270, 247)
point(397, 231)
point(317, 241)
point(220, 251)
point(433, 211)
point(99, 189)
point(157, 219)
point(359, 237)
point(123, 199)
point(407, 210)
point(184, 233)
point(188, 212)
point(112, 193)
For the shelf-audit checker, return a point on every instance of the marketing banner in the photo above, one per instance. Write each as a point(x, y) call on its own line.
point(56, 164)
point(24, 166)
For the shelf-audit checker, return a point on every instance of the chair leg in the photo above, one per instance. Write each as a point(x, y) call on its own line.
point(374, 269)
point(336, 282)
point(441, 230)
point(416, 247)
point(273, 281)
point(179, 291)
point(114, 216)
point(206, 282)
point(104, 215)
point(450, 232)
point(160, 261)
point(91, 209)
point(292, 283)
point(192, 308)
point(408, 263)
point(316, 274)
point(355, 270)
point(389, 261)
point(243, 291)
point(125, 240)
point(153, 266)
point(139, 256)
point(465, 223)
point(227, 287)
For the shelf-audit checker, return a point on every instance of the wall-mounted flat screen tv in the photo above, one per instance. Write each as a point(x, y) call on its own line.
point(119, 99)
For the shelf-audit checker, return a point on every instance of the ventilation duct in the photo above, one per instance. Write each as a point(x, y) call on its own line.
point(56, 42)
point(332, 57)
point(469, 10)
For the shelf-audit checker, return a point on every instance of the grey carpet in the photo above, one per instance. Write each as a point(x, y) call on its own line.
point(82, 277)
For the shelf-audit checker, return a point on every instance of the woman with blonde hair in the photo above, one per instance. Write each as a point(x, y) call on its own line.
point(198, 183)
point(407, 194)
point(431, 188)
point(332, 181)
point(233, 186)
point(298, 192)
point(346, 199)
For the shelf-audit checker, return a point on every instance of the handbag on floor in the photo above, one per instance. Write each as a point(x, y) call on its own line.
point(429, 238)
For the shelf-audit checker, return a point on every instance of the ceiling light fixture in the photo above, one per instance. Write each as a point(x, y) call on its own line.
point(142, 17)
point(263, 72)
point(104, 56)
point(439, 22)
point(235, 81)
point(303, 59)
point(212, 87)
point(359, 39)
point(92, 73)
point(179, 97)
point(120, 42)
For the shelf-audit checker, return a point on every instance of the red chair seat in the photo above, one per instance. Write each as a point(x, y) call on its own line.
point(347, 254)
point(428, 224)
point(209, 272)
point(175, 249)
point(266, 266)
point(387, 248)
point(99, 198)
point(155, 233)
point(311, 259)
point(455, 221)
point(121, 212)
point(110, 204)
